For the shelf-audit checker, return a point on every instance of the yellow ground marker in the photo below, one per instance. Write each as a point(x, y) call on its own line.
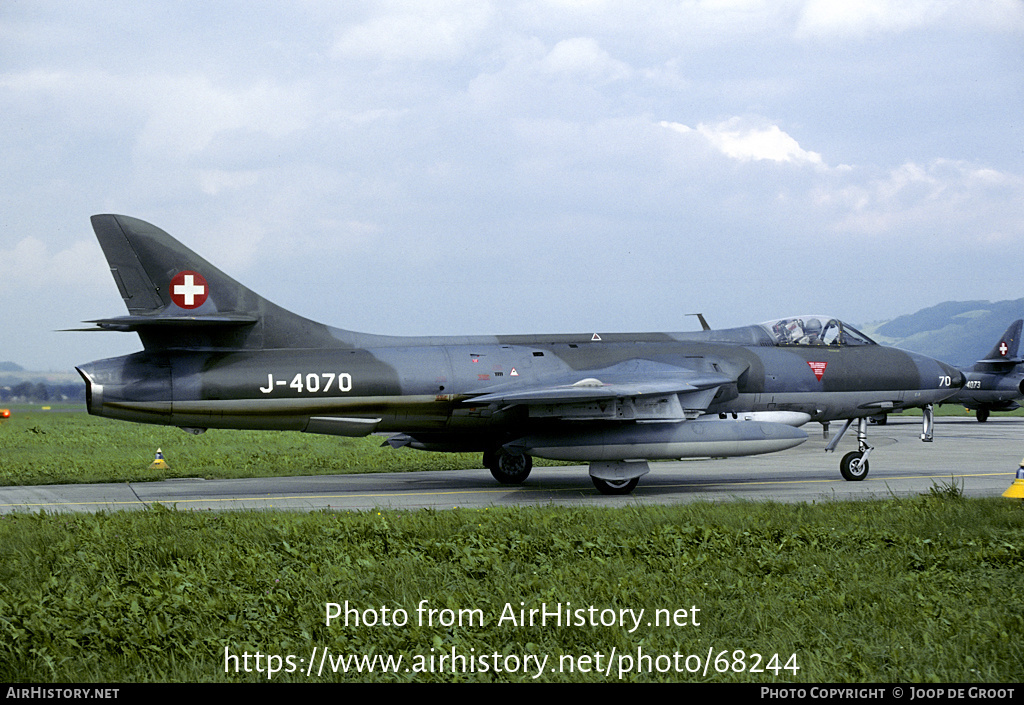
point(1016, 490)
point(159, 463)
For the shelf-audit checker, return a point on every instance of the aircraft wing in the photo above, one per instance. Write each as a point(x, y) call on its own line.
point(633, 390)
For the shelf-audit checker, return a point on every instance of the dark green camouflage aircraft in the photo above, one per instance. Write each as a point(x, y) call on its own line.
point(996, 382)
point(217, 355)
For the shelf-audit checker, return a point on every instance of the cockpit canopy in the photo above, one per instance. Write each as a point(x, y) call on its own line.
point(815, 331)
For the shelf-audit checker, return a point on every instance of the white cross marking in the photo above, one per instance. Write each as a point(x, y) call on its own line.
point(1003, 347)
point(190, 290)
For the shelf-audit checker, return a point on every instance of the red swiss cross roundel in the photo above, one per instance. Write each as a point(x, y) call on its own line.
point(189, 289)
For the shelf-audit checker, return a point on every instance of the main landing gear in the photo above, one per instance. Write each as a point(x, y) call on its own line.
point(507, 467)
point(854, 465)
point(609, 477)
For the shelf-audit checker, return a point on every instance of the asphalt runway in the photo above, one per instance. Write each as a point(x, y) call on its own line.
point(980, 459)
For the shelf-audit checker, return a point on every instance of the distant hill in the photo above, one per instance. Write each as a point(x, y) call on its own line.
point(957, 332)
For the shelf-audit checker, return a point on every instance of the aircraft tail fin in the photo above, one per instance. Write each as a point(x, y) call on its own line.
point(176, 299)
point(1007, 350)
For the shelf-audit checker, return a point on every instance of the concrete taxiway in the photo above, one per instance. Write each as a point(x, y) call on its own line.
point(978, 459)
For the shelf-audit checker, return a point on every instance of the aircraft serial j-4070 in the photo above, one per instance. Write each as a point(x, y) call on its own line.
point(217, 355)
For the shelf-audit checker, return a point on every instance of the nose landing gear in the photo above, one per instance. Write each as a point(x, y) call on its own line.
point(854, 465)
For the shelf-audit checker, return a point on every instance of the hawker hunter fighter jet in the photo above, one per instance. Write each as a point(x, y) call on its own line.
point(995, 383)
point(217, 355)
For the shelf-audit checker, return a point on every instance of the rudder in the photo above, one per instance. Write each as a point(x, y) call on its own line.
point(178, 300)
point(1007, 349)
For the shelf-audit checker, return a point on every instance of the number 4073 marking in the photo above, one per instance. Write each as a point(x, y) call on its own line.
point(311, 382)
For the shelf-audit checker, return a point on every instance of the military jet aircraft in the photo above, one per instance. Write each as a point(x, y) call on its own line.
point(996, 382)
point(217, 355)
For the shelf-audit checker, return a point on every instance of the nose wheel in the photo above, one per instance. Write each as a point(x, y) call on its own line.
point(854, 465)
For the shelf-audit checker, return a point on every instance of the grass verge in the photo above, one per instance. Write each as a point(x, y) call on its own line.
point(66, 445)
point(69, 446)
point(904, 590)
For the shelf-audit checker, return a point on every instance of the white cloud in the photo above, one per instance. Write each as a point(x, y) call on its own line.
point(584, 57)
point(185, 113)
point(326, 144)
point(415, 32)
point(738, 141)
point(176, 115)
point(30, 266)
point(858, 18)
point(947, 202)
point(215, 181)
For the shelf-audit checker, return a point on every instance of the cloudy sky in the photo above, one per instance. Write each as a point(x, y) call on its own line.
point(451, 167)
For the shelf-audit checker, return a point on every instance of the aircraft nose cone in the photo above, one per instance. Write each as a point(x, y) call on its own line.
point(957, 379)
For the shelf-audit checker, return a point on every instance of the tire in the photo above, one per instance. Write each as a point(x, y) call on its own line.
point(508, 468)
point(852, 467)
point(982, 414)
point(615, 487)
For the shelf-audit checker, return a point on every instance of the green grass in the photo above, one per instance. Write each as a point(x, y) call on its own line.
point(921, 589)
point(905, 590)
point(68, 446)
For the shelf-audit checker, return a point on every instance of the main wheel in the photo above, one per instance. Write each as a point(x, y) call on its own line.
point(853, 467)
point(508, 468)
point(982, 415)
point(615, 486)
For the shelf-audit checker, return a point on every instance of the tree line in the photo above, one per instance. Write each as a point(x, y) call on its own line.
point(42, 392)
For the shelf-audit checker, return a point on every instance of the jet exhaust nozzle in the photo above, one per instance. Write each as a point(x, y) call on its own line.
point(93, 393)
point(133, 388)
